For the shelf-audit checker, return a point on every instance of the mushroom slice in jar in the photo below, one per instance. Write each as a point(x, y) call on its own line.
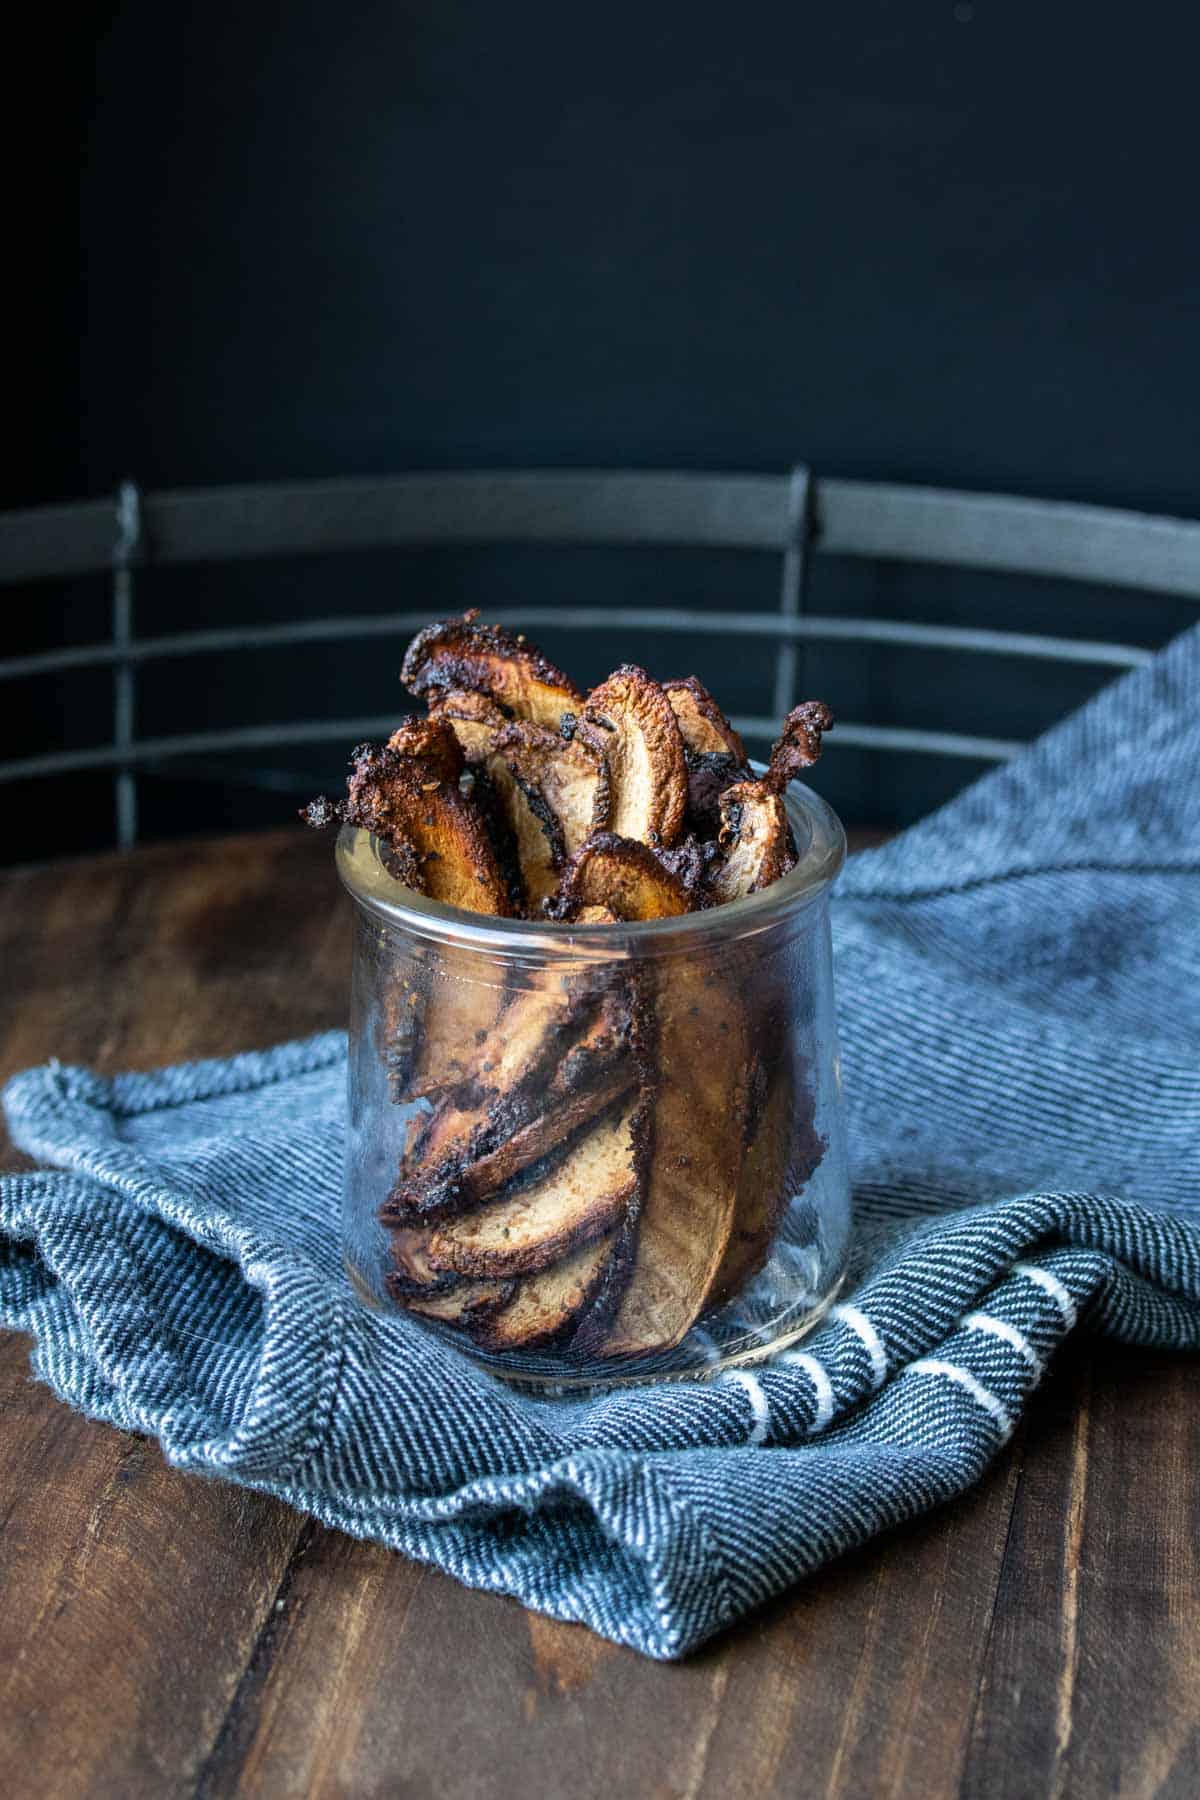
point(534, 832)
point(470, 1151)
point(552, 792)
point(756, 841)
point(505, 1043)
point(564, 778)
point(577, 1198)
point(755, 836)
point(413, 1282)
point(546, 1306)
point(406, 801)
point(464, 1304)
point(798, 745)
point(701, 1095)
point(784, 1149)
point(702, 725)
point(522, 775)
point(632, 718)
point(621, 876)
point(470, 1170)
point(462, 653)
point(475, 720)
point(433, 740)
point(552, 788)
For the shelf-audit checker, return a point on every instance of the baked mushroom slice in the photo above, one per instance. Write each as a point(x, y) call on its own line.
point(647, 771)
point(462, 653)
point(551, 790)
point(466, 1303)
point(546, 1306)
point(413, 1282)
point(538, 848)
point(498, 1042)
point(454, 1005)
point(475, 720)
point(466, 1178)
point(623, 878)
point(690, 862)
point(701, 1096)
point(755, 839)
point(772, 1172)
point(565, 779)
point(575, 1199)
point(539, 794)
point(468, 1152)
point(433, 740)
point(754, 835)
point(798, 745)
point(702, 725)
point(410, 804)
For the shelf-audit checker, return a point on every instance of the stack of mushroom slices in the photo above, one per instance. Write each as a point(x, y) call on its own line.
point(598, 1158)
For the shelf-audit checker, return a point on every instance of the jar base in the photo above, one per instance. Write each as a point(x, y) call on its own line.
point(699, 1358)
point(709, 1350)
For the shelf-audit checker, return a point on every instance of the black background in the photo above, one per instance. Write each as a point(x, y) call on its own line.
point(926, 242)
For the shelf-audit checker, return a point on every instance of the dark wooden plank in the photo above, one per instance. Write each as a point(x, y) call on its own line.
point(386, 1678)
point(134, 1596)
point(1092, 1678)
point(162, 1635)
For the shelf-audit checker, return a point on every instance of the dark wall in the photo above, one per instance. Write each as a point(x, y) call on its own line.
point(917, 241)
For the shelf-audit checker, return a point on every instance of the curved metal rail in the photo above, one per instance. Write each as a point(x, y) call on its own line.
point(794, 516)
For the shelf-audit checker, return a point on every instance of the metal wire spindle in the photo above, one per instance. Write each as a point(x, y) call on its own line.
point(125, 550)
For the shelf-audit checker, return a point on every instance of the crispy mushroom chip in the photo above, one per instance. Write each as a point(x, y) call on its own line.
point(546, 1306)
point(540, 792)
point(575, 1199)
point(475, 720)
point(470, 1148)
point(647, 770)
point(461, 653)
point(798, 746)
point(621, 877)
point(434, 741)
point(498, 1044)
point(701, 1096)
point(783, 1151)
point(702, 725)
point(566, 779)
point(436, 1293)
point(754, 836)
point(410, 804)
point(756, 841)
point(466, 1303)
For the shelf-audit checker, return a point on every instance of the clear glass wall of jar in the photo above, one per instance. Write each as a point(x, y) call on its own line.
point(598, 1153)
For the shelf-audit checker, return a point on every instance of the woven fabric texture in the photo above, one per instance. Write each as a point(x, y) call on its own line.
point(1019, 997)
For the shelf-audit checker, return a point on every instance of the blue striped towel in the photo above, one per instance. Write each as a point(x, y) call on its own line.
point(1019, 989)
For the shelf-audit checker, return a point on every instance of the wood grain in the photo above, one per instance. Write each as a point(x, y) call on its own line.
point(161, 1635)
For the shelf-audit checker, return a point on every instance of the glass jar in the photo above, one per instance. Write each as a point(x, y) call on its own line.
point(595, 1154)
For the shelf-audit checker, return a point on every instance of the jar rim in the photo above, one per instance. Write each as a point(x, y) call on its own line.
point(821, 844)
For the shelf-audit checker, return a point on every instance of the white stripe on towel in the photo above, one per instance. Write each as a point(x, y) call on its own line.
point(1008, 1334)
point(863, 1329)
point(932, 1365)
point(759, 1404)
point(1050, 1284)
point(803, 1359)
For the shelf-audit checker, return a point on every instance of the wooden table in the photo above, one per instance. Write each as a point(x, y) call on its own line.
point(164, 1635)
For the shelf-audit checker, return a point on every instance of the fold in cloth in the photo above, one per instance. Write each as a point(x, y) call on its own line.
point(1019, 1002)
